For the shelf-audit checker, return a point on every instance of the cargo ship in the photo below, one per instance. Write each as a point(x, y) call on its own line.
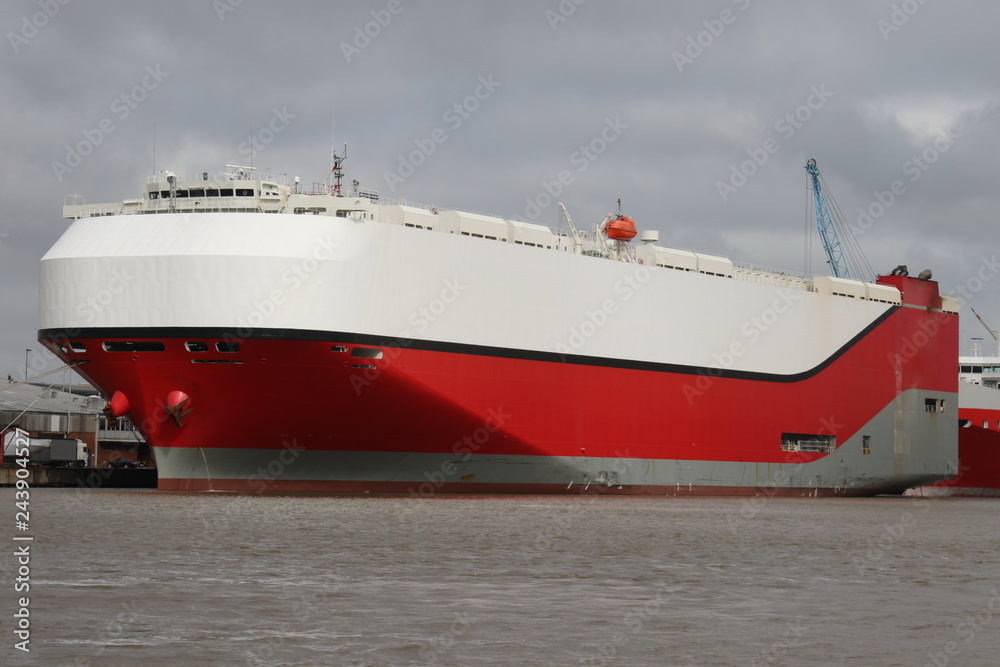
point(978, 471)
point(265, 336)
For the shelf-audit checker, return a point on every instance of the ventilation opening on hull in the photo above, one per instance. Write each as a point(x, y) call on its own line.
point(808, 442)
point(866, 445)
point(133, 346)
point(78, 346)
point(216, 361)
point(196, 346)
point(933, 405)
point(366, 353)
point(364, 366)
point(339, 348)
point(227, 346)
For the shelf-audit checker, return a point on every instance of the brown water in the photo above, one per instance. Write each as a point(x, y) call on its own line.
point(149, 578)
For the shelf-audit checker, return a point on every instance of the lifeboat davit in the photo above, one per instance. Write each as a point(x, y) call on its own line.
point(621, 228)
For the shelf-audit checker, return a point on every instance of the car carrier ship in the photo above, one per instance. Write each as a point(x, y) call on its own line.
point(268, 337)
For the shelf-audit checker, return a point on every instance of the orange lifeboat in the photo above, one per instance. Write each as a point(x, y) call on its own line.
point(621, 228)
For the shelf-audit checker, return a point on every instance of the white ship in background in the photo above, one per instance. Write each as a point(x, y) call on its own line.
point(978, 472)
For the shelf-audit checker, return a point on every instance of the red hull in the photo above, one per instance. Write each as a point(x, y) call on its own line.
point(424, 400)
point(420, 397)
point(978, 458)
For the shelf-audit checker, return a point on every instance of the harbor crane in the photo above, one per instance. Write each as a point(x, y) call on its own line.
point(993, 332)
point(840, 256)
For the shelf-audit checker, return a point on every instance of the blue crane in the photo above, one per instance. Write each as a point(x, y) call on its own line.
point(827, 229)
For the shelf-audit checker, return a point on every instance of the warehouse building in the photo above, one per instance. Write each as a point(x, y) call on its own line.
point(72, 412)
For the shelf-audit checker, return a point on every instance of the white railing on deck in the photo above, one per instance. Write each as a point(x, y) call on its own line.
point(161, 178)
point(758, 268)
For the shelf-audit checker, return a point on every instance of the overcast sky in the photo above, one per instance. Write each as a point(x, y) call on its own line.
point(699, 115)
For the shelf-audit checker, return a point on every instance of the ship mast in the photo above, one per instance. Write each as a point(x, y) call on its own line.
point(337, 169)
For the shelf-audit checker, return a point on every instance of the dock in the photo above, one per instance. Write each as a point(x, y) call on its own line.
point(94, 478)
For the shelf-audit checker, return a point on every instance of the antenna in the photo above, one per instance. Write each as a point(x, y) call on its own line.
point(154, 149)
point(336, 161)
point(338, 170)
